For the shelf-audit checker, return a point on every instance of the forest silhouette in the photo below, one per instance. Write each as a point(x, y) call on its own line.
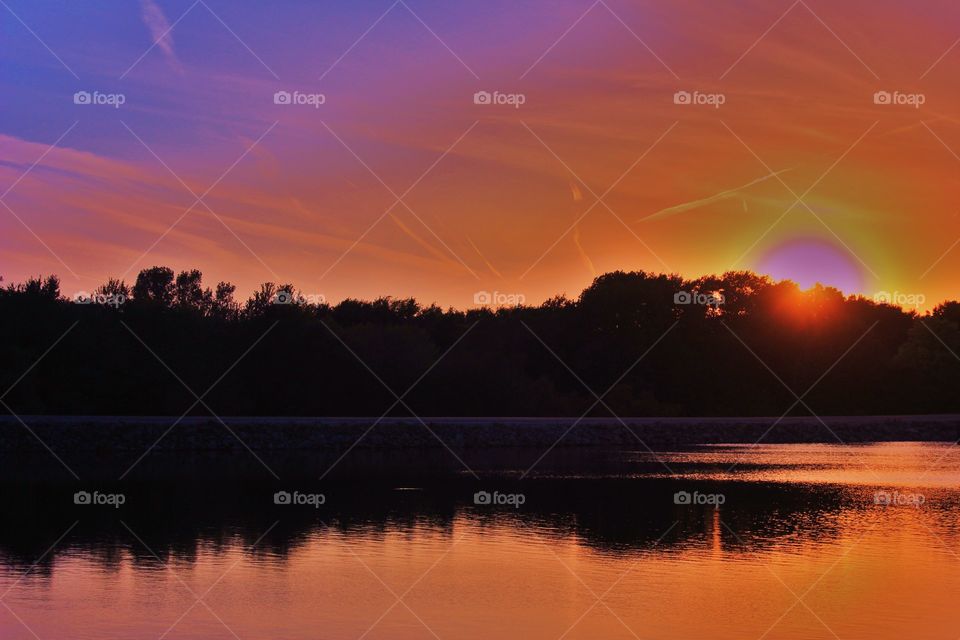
point(648, 344)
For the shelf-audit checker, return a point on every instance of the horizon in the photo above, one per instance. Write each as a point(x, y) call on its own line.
point(905, 302)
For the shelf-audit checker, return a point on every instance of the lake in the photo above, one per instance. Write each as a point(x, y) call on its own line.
point(773, 541)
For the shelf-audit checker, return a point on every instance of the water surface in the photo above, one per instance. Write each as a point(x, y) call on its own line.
point(798, 549)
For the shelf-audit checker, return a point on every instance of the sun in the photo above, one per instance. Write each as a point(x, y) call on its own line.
point(808, 261)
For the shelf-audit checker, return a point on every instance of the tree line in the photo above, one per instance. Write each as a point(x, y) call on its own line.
point(632, 343)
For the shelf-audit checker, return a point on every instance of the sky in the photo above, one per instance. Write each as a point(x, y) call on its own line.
point(803, 139)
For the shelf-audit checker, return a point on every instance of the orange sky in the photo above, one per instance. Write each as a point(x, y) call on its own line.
point(509, 199)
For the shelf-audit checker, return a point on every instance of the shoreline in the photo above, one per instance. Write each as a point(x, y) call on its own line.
point(119, 433)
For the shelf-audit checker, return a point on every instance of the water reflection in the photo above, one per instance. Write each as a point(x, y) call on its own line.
point(798, 549)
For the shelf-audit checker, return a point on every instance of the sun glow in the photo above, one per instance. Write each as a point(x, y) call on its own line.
point(812, 261)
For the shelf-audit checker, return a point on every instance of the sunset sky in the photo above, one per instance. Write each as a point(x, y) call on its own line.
point(493, 197)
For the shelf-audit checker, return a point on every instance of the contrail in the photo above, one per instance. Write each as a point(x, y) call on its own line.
point(416, 238)
point(482, 257)
point(723, 195)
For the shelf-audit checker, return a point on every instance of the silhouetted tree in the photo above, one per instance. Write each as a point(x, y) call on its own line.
point(188, 292)
point(40, 287)
point(114, 287)
point(654, 344)
point(155, 285)
point(223, 305)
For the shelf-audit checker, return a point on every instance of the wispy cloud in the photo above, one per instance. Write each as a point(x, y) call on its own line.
point(160, 29)
point(587, 262)
point(575, 191)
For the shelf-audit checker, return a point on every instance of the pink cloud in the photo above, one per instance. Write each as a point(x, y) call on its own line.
point(160, 29)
